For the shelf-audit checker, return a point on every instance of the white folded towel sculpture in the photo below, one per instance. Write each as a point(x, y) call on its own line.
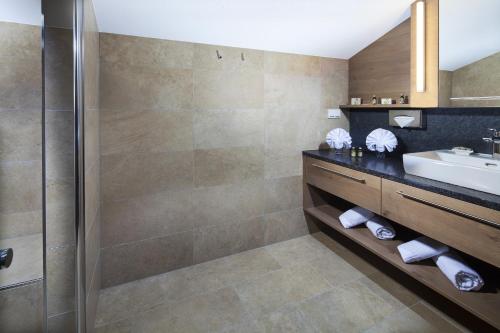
point(380, 228)
point(420, 249)
point(456, 270)
point(355, 216)
point(381, 140)
point(338, 138)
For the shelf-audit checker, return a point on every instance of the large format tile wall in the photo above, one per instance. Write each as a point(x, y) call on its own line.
point(200, 156)
point(21, 168)
point(92, 162)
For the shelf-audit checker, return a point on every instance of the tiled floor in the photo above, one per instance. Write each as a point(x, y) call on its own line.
point(307, 284)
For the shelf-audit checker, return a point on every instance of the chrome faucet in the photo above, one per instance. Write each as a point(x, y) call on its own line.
point(495, 142)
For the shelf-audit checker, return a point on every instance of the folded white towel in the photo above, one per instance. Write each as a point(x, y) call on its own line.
point(355, 216)
point(456, 270)
point(380, 228)
point(381, 140)
point(338, 138)
point(420, 249)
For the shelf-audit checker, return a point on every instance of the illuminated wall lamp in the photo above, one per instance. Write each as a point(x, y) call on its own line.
point(420, 41)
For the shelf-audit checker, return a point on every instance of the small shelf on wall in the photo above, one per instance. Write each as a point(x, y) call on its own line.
point(484, 304)
point(375, 106)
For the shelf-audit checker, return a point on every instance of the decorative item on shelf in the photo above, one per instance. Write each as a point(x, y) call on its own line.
point(356, 101)
point(386, 101)
point(374, 99)
point(403, 99)
point(353, 152)
point(380, 140)
point(360, 152)
point(339, 139)
point(462, 151)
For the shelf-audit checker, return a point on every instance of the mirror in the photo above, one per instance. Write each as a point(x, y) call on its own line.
point(469, 53)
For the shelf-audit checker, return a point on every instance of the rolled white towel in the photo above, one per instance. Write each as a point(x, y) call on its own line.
point(355, 216)
point(380, 228)
point(338, 138)
point(456, 270)
point(381, 140)
point(420, 249)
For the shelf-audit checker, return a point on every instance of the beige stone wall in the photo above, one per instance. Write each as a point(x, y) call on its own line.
point(481, 78)
point(92, 163)
point(445, 88)
point(20, 130)
point(21, 308)
point(200, 156)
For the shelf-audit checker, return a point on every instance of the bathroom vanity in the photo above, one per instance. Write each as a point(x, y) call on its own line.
point(464, 219)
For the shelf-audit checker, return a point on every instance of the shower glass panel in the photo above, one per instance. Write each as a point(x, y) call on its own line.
point(21, 216)
point(60, 182)
point(21, 167)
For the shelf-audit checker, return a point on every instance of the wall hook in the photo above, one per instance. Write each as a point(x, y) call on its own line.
point(242, 56)
point(218, 55)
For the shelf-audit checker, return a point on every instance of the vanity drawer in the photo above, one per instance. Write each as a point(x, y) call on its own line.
point(357, 187)
point(456, 223)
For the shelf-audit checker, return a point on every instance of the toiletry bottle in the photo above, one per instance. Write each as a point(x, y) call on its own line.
point(360, 152)
point(353, 152)
point(402, 99)
point(374, 99)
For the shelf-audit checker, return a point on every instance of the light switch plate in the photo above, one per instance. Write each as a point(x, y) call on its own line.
point(334, 113)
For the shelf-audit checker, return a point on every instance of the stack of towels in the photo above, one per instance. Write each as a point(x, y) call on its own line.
point(453, 267)
point(338, 138)
point(378, 226)
point(381, 140)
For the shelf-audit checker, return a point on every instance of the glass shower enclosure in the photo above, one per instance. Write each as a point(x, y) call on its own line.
point(49, 184)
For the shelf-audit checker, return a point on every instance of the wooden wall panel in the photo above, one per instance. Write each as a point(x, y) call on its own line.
point(383, 67)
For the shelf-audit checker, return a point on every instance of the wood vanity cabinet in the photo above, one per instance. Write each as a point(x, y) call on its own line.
point(357, 187)
point(459, 224)
point(451, 221)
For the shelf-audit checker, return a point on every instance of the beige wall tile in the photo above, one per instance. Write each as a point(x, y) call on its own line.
point(131, 175)
point(283, 194)
point(20, 41)
point(216, 89)
point(222, 129)
point(62, 323)
point(21, 189)
point(138, 88)
point(290, 93)
point(285, 225)
point(234, 157)
point(205, 57)
point(218, 205)
point(60, 223)
point(20, 135)
point(133, 261)
point(225, 239)
point(145, 131)
point(19, 224)
point(146, 217)
point(20, 84)
point(294, 64)
point(60, 280)
point(226, 166)
point(123, 51)
point(21, 309)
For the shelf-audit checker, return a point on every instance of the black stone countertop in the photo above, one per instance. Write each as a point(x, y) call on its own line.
point(391, 168)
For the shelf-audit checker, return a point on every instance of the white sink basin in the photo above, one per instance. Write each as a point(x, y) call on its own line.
point(476, 171)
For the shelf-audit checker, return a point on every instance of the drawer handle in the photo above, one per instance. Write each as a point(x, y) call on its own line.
point(448, 209)
point(359, 180)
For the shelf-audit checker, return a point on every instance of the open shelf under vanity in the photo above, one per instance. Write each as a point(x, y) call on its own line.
point(329, 190)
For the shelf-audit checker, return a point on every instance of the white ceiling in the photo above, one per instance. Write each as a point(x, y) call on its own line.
point(21, 11)
point(468, 31)
point(329, 28)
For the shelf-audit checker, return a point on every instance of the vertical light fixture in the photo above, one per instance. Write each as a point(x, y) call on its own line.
point(420, 41)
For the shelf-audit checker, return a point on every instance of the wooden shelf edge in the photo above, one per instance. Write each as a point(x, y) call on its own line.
point(482, 304)
point(375, 106)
